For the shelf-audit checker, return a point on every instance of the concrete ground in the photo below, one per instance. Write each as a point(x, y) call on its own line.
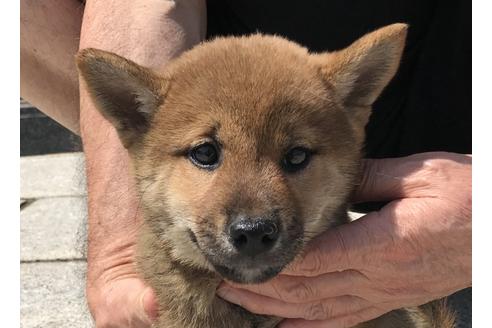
point(53, 233)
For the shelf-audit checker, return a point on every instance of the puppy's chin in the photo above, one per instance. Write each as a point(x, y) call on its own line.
point(249, 270)
point(248, 276)
point(216, 254)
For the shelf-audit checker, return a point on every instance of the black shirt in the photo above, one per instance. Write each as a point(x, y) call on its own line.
point(427, 106)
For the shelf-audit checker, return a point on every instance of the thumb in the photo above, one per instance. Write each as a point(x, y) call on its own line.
point(338, 249)
point(123, 303)
point(387, 179)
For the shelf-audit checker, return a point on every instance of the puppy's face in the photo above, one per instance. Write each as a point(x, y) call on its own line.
point(244, 148)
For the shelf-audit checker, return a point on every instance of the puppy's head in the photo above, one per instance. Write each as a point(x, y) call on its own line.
point(244, 148)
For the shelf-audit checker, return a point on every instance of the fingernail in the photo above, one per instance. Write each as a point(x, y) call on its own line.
point(229, 294)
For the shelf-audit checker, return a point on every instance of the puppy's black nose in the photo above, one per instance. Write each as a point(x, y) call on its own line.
point(253, 237)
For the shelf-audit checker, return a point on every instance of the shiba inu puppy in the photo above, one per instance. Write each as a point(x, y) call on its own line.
point(243, 149)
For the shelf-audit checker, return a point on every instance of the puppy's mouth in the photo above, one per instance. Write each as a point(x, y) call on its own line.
point(245, 269)
point(248, 275)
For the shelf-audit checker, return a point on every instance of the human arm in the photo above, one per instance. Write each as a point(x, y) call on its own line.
point(149, 33)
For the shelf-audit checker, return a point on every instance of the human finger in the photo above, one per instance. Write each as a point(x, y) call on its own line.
point(298, 289)
point(310, 311)
point(343, 321)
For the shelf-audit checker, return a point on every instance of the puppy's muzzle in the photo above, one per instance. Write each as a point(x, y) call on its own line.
point(252, 237)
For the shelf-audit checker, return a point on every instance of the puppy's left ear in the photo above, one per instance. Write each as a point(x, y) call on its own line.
point(360, 72)
point(125, 93)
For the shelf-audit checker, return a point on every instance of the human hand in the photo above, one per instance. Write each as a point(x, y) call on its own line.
point(121, 300)
point(414, 250)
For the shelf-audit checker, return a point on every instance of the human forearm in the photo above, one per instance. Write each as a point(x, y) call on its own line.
point(149, 33)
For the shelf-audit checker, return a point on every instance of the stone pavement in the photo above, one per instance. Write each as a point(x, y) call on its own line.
point(53, 232)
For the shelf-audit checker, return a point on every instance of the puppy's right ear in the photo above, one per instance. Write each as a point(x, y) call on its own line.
point(125, 93)
point(360, 72)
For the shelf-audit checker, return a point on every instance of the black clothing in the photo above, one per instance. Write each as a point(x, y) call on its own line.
point(427, 106)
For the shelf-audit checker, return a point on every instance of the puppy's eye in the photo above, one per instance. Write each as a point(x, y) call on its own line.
point(296, 159)
point(205, 155)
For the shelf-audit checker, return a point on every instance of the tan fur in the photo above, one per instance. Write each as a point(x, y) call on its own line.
point(435, 314)
point(257, 97)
